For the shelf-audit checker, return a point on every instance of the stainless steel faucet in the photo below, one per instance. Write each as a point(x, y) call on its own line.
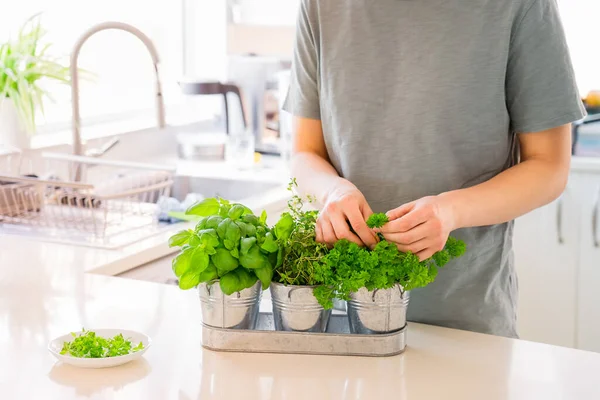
point(160, 107)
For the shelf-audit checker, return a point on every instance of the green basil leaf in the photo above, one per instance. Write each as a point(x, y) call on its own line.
point(269, 245)
point(204, 208)
point(224, 261)
point(222, 228)
point(254, 258)
point(181, 263)
point(251, 219)
point(198, 261)
point(234, 233)
point(210, 250)
point(224, 209)
point(180, 238)
point(284, 227)
point(194, 241)
point(209, 237)
point(242, 226)
point(235, 252)
point(265, 274)
point(236, 211)
point(230, 283)
point(213, 221)
point(246, 244)
point(201, 224)
point(263, 217)
point(209, 274)
point(229, 245)
point(250, 230)
point(189, 280)
point(222, 200)
point(247, 278)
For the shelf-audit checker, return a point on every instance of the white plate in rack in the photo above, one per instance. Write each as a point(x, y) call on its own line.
point(56, 345)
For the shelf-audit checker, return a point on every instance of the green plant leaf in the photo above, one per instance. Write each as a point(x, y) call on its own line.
point(209, 237)
point(194, 240)
point(209, 274)
point(180, 238)
point(251, 219)
point(265, 274)
point(247, 279)
point(222, 228)
point(204, 208)
point(283, 227)
point(224, 261)
point(189, 280)
point(235, 252)
point(181, 263)
point(269, 245)
point(230, 283)
point(253, 258)
point(246, 244)
point(236, 211)
point(198, 261)
point(201, 224)
point(233, 233)
point(229, 245)
point(213, 222)
point(263, 217)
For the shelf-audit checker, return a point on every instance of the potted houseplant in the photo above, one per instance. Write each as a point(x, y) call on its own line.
point(376, 283)
point(24, 64)
point(301, 272)
point(229, 256)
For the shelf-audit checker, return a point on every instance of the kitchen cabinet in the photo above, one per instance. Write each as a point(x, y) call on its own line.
point(588, 299)
point(558, 266)
point(546, 251)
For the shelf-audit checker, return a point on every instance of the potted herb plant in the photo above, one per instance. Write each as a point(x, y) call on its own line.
point(300, 272)
point(376, 283)
point(229, 256)
point(24, 65)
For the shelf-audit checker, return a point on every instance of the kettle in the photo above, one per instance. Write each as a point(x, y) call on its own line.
point(209, 145)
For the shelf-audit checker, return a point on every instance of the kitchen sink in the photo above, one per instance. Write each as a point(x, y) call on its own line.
point(236, 190)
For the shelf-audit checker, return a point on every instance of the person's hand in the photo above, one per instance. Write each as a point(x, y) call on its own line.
point(421, 227)
point(345, 207)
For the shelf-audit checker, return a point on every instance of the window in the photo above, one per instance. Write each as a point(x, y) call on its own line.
point(124, 81)
point(580, 19)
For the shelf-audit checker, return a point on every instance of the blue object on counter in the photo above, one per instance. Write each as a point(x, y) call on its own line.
point(167, 204)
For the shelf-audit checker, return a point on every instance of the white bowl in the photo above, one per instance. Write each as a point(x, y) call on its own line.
point(56, 345)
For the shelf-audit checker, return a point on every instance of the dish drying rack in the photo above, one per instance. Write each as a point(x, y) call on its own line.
point(81, 200)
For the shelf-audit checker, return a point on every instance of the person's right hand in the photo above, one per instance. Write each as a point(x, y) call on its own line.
point(345, 206)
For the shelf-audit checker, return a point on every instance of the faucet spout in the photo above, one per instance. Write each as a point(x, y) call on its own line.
point(76, 118)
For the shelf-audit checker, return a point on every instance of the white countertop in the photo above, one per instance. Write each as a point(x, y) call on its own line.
point(51, 295)
point(47, 290)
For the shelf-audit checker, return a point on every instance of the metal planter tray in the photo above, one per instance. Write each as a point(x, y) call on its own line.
point(337, 341)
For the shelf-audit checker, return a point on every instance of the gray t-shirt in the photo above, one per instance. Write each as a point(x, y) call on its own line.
point(419, 97)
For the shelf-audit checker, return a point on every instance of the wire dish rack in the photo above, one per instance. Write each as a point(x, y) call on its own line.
point(81, 200)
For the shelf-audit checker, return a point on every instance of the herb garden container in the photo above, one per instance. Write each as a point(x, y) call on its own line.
point(296, 309)
point(236, 311)
point(378, 311)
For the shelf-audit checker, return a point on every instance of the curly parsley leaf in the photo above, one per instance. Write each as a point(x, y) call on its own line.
point(89, 345)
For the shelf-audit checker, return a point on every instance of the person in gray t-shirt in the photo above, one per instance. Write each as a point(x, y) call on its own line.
point(449, 115)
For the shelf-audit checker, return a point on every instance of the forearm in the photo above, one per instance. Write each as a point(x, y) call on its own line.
point(514, 192)
point(315, 175)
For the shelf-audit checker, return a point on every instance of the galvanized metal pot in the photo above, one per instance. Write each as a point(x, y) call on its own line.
point(378, 311)
point(295, 308)
point(236, 311)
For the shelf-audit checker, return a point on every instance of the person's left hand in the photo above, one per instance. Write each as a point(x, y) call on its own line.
point(421, 227)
